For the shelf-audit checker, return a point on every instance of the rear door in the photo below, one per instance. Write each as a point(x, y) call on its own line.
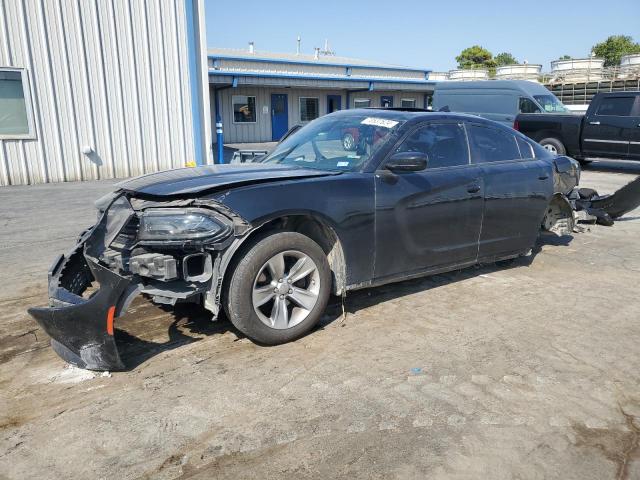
point(517, 190)
point(608, 129)
point(431, 218)
point(634, 144)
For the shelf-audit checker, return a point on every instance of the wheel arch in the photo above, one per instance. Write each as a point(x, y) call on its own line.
point(312, 224)
point(550, 134)
point(559, 218)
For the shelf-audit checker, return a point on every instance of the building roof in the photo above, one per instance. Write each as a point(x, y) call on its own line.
point(304, 58)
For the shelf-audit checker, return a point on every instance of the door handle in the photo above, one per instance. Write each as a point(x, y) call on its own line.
point(543, 176)
point(475, 188)
point(594, 123)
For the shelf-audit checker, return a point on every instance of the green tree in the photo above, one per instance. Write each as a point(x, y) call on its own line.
point(505, 58)
point(475, 57)
point(565, 57)
point(615, 47)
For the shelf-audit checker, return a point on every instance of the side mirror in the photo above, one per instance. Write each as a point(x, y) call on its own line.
point(407, 162)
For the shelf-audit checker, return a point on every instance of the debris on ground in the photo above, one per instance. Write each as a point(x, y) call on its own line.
point(590, 207)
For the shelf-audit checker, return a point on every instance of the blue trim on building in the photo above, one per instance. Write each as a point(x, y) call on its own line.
point(196, 97)
point(308, 62)
point(219, 73)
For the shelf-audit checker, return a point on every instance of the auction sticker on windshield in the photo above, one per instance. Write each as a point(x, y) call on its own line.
point(379, 122)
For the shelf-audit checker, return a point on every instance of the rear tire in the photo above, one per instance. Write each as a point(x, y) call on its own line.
point(263, 304)
point(554, 145)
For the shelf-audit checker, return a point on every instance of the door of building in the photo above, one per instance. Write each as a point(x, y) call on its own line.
point(386, 101)
point(279, 115)
point(334, 103)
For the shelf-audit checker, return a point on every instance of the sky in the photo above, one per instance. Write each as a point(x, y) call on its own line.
point(422, 33)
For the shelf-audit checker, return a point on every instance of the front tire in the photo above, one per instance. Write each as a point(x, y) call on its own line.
point(554, 145)
point(279, 288)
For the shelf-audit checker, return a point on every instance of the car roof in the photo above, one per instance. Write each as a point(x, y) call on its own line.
point(527, 86)
point(406, 115)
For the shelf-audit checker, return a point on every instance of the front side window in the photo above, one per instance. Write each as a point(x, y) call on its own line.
point(362, 103)
point(342, 142)
point(489, 144)
point(527, 105)
point(244, 109)
point(551, 104)
point(408, 103)
point(14, 105)
point(616, 106)
point(445, 144)
point(309, 109)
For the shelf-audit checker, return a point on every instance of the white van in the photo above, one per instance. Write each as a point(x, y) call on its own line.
point(498, 100)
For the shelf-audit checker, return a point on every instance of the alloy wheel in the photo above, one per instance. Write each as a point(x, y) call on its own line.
point(286, 289)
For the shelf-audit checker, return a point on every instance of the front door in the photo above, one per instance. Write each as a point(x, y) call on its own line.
point(386, 101)
point(429, 219)
point(334, 103)
point(607, 132)
point(279, 116)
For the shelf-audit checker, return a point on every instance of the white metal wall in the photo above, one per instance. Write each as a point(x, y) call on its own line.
point(260, 131)
point(112, 75)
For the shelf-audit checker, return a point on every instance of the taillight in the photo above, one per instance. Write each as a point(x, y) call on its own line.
point(516, 125)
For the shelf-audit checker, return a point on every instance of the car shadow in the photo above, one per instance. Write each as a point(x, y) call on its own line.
point(178, 326)
point(185, 324)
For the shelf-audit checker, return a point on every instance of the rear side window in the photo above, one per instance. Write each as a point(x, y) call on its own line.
point(616, 106)
point(489, 144)
point(445, 144)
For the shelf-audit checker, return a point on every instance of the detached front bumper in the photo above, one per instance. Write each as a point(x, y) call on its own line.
point(81, 329)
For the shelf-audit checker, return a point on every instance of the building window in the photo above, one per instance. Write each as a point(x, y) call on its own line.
point(408, 103)
point(361, 102)
point(309, 109)
point(15, 104)
point(244, 109)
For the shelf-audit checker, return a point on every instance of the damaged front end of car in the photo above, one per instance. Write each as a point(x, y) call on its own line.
point(168, 250)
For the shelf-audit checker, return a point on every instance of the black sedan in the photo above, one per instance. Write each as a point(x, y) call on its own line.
point(416, 194)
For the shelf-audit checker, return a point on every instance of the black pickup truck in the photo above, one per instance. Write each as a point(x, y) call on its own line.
point(609, 129)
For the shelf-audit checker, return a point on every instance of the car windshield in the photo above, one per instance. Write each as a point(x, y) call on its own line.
point(335, 142)
point(550, 104)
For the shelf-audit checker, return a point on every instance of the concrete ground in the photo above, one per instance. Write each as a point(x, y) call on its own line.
point(530, 371)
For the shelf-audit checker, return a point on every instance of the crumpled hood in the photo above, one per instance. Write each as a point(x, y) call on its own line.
point(184, 181)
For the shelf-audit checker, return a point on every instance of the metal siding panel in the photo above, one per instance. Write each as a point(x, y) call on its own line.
point(115, 90)
point(156, 49)
point(132, 90)
point(179, 155)
point(94, 70)
point(87, 117)
point(72, 156)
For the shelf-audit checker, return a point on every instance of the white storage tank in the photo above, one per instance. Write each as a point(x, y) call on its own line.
point(468, 75)
point(577, 70)
point(630, 65)
point(438, 76)
point(519, 72)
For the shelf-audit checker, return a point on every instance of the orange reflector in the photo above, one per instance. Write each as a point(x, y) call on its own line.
point(110, 313)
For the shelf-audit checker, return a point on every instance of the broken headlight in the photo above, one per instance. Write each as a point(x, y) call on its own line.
point(179, 224)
